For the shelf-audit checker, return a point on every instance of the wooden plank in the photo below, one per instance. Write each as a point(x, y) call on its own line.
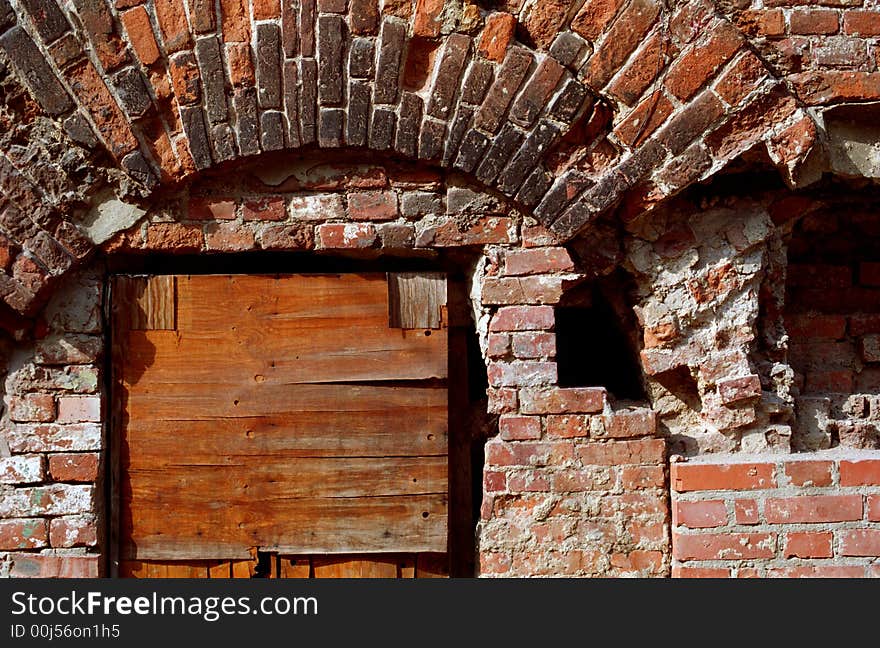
point(409, 524)
point(406, 566)
point(220, 569)
point(164, 569)
point(145, 303)
point(239, 480)
point(243, 568)
point(416, 300)
point(294, 567)
point(432, 565)
point(355, 567)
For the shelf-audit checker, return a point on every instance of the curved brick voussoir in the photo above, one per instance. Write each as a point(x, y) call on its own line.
point(172, 88)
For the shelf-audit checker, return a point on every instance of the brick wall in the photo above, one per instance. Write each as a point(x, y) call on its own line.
point(799, 516)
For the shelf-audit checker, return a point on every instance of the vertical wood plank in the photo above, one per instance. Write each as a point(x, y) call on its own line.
point(146, 303)
point(432, 565)
point(220, 569)
point(294, 567)
point(415, 299)
point(243, 568)
point(407, 566)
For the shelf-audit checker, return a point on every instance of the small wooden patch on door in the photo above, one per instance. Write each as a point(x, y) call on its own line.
point(416, 300)
point(145, 303)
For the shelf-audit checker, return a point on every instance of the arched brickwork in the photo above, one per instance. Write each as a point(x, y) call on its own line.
point(611, 103)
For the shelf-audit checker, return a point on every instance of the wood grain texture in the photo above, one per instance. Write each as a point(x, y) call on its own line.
point(416, 300)
point(145, 303)
point(283, 414)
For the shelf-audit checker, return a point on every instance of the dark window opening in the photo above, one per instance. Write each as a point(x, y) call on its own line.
point(597, 339)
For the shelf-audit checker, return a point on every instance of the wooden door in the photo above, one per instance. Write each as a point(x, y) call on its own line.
point(287, 426)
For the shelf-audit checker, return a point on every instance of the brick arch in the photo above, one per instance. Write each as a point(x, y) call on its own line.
point(170, 88)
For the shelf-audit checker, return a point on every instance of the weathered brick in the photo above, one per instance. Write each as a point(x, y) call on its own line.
point(629, 423)
point(502, 453)
point(30, 565)
point(745, 511)
point(345, 236)
point(74, 467)
point(21, 469)
point(640, 477)
point(427, 20)
point(271, 208)
point(519, 428)
point(382, 129)
point(644, 119)
point(861, 22)
point(363, 17)
point(594, 17)
point(859, 542)
point(298, 236)
point(372, 205)
point(569, 48)
point(734, 390)
point(694, 68)
point(358, 116)
point(510, 76)
point(228, 237)
point(523, 318)
point(641, 71)
point(537, 261)
point(813, 21)
point(73, 531)
point(612, 453)
point(446, 232)
point(860, 473)
point(762, 22)
point(79, 409)
point(746, 476)
point(723, 546)
point(247, 124)
point(196, 134)
point(567, 426)
point(26, 533)
point(173, 24)
point(504, 145)
point(684, 571)
point(527, 158)
point(47, 17)
point(808, 473)
point(563, 400)
point(185, 78)
point(623, 37)
point(66, 51)
point(406, 137)
point(697, 116)
point(32, 408)
point(497, 35)
point(392, 39)
point(700, 515)
point(98, 23)
point(534, 345)
point(536, 93)
point(807, 545)
point(201, 16)
point(818, 508)
point(132, 92)
point(330, 49)
point(173, 237)
point(308, 76)
point(55, 499)
point(235, 21)
point(477, 82)
point(268, 59)
point(447, 78)
point(516, 373)
point(33, 69)
point(330, 124)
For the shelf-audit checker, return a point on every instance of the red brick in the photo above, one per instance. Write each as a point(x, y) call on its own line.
point(815, 325)
point(21, 469)
point(863, 324)
point(807, 545)
point(519, 428)
point(427, 20)
point(496, 36)
point(639, 477)
point(499, 453)
point(644, 119)
point(25, 565)
point(228, 237)
point(498, 345)
point(816, 571)
point(492, 230)
point(372, 205)
point(767, 22)
point(236, 22)
point(537, 261)
point(723, 546)
point(523, 318)
point(628, 424)
point(638, 561)
point(241, 65)
point(745, 511)
point(568, 426)
point(540, 289)
point(700, 515)
point(873, 506)
point(641, 71)
point(821, 275)
point(73, 531)
point(140, 35)
point(494, 481)
point(694, 68)
point(31, 533)
point(746, 476)
point(39, 408)
point(809, 473)
point(266, 9)
point(633, 504)
point(862, 23)
point(494, 563)
point(813, 21)
point(683, 571)
point(860, 473)
point(594, 17)
point(814, 508)
point(528, 482)
point(346, 236)
point(859, 542)
point(79, 409)
point(562, 400)
point(265, 209)
point(297, 236)
point(534, 344)
point(625, 34)
point(174, 237)
point(502, 400)
point(521, 373)
point(578, 481)
point(74, 467)
point(173, 23)
point(837, 381)
point(734, 390)
point(612, 453)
